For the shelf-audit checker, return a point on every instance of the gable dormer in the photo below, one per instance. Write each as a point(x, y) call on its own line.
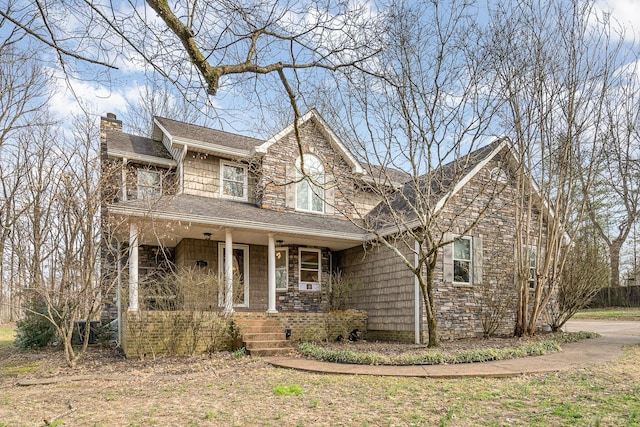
point(327, 188)
point(211, 163)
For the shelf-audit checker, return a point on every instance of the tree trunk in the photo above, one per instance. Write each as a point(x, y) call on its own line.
point(614, 256)
point(430, 305)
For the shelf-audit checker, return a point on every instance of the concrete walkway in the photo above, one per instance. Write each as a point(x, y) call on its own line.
point(608, 347)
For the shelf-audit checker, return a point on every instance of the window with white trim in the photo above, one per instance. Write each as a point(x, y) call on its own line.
point(309, 191)
point(233, 181)
point(309, 269)
point(282, 269)
point(462, 260)
point(149, 184)
point(498, 174)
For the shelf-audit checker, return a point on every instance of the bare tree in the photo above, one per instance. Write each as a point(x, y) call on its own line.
point(22, 94)
point(414, 129)
point(584, 275)
point(555, 62)
point(59, 231)
point(215, 45)
point(614, 200)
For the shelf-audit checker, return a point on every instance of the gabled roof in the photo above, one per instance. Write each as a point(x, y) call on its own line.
point(203, 139)
point(333, 139)
point(385, 176)
point(439, 185)
point(138, 148)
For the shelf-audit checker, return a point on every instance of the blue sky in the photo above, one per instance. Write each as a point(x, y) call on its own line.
point(101, 93)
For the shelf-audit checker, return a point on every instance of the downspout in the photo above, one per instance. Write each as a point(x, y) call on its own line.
point(330, 271)
point(118, 294)
point(416, 297)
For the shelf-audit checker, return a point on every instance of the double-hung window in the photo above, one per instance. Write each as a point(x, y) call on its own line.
point(309, 261)
point(149, 184)
point(462, 260)
point(309, 188)
point(233, 177)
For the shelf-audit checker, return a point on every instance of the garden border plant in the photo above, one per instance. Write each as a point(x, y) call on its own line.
point(438, 356)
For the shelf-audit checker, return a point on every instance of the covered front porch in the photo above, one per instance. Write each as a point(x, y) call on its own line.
point(280, 261)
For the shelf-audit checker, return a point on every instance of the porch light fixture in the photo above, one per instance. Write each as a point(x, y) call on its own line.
point(279, 242)
point(207, 236)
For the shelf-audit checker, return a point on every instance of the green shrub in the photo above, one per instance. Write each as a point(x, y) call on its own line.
point(434, 357)
point(35, 331)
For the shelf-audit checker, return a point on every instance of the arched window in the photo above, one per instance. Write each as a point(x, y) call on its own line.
point(309, 191)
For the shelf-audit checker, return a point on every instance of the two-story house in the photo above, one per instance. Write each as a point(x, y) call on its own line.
point(189, 195)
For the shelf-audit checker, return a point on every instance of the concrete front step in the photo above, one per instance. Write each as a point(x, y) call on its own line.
point(263, 337)
point(270, 352)
point(257, 345)
point(262, 330)
point(257, 322)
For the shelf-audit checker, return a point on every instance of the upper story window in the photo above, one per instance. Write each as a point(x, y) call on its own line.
point(233, 179)
point(309, 191)
point(499, 175)
point(149, 184)
point(462, 260)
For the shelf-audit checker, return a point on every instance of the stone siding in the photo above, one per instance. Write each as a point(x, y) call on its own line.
point(294, 299)
point(459, 307)
point(386, 287)
point(278, 169)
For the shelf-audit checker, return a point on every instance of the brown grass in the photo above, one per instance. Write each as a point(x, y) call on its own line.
point(223, 390)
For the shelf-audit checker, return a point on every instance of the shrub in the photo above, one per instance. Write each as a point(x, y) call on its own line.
point(434, 357)
point(35, 331)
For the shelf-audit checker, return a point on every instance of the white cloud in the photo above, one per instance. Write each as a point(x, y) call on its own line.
point(624, 12)
point(72, 95)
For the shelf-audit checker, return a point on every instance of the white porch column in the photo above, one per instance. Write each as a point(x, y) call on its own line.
point(272, 274)
point(133, 267)
point(228, 272)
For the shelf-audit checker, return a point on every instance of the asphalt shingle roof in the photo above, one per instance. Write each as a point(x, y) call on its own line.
point(207, 135)
point(215, 208)
point(434, 185)
point(140, 145)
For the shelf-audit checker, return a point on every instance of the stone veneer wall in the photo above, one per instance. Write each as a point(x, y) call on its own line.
point(493, 236)
point(386, 287)
point(278, 168)
point(148, 333)
point(294, 299)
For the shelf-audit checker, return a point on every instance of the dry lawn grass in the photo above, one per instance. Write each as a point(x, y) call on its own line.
point(227, 391)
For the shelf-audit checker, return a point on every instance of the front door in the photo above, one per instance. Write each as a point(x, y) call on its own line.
point(240, 274)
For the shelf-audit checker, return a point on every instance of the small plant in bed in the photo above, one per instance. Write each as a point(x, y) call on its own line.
point(423, 356)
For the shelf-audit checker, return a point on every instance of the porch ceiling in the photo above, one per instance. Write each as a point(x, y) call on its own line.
point(187, 216)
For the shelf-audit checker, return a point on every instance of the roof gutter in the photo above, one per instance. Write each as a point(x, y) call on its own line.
point(142, 158)
point(234, 223)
